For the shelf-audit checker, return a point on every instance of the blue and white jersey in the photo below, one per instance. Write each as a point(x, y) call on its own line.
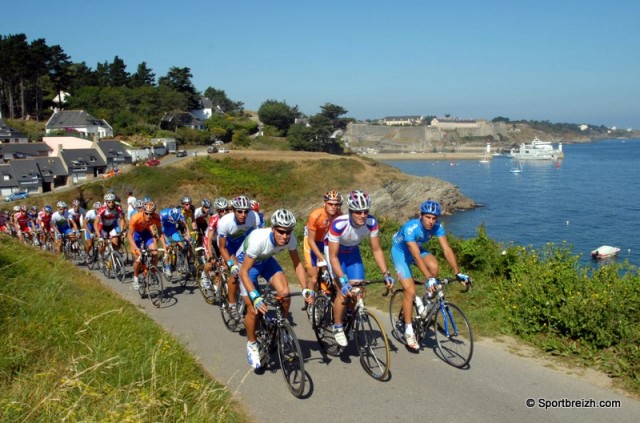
point(165, 219)
point(414, 231)
point(90, 217)
point(234, 232)
point(77, 215)
point(349, 236)
point(61, 220)
point(260, 245)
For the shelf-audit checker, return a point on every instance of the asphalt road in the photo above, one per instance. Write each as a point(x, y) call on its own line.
point(495, 388)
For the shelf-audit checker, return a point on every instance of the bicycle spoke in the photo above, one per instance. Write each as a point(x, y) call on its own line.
point(453, 335)
point(323, 325)
point(373, 345)
point(291, 359)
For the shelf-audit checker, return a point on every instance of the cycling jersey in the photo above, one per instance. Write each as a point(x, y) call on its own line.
point(139, 224)
point(89, 219)
point(76, 216)
point(169, 228)
point(45, 220)
point(109, 217)
point(319, 222)
point(22, 220)
point(349, 236)
point(235, 232)
point(62, 222)
point(200, 217)
point(414, 231)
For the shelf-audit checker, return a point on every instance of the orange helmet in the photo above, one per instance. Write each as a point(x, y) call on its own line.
point(150, 207)
point(333, 196)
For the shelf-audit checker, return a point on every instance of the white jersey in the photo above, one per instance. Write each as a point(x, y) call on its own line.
point(61, 220)
point(90, 216)
point(349, 236)
point(131, 205)
point(260, 245)
point(77, 215)
point(229, 228)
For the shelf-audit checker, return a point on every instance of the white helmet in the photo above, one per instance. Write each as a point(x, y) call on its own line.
point(283, 218)
point(358, 201)
point(240, 203)
point(220, 203)
point(61, 205)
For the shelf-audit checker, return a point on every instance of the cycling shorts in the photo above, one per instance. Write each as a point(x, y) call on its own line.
point(402, 261)
point(266, 269)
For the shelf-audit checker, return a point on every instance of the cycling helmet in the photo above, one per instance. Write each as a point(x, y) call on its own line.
point(333, 196)
point(186, 199)
point(61, 205)
point(174, 214)
point(358, 201)
point(34, 208)
point(109, 197)
point(283, 218)
point(139, 203)
point(16, 208)
point(75, 203)
point(430, 207)
point(23, 208)
point(48, 209)
point(254, 205)
point(150, 207)
point(205, 203)
point(220, 203)
point(97, 205)
point(240, 203)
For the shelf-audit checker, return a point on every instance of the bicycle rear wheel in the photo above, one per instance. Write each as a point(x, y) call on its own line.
point(155, 287)
point(322, 312)
point(373, 345)
point(182, 267)
point(453, 335)
point(291, 359)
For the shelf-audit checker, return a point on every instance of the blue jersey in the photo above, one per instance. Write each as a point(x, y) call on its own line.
point(413, 231)
point(167, 225)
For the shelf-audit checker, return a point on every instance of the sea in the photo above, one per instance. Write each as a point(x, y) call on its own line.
point(588, 199)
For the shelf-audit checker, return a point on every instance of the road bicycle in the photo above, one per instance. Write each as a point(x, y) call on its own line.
point(218, 276)
point(451, 329)
point(361, 324)
point(150, 279)
point(275, 333)
point(183, 262)
point(111, 261)
point(225, 309)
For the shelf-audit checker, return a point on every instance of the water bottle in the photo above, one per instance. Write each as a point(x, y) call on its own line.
point(419, 305)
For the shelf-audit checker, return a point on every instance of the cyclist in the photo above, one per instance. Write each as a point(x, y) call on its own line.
point(255, 258)
point(4, 222)
point(187, 211)
point(172, 220)
point(44, 222)
point(89, 228)
point(407, 249)
point(315, 232)
point(62, 224)
point(233, 228)
point(345, 235)
point(255, 206)
point(140, 232)
point(211, 240)
point(131, 204)
point(76, 213)
point(23, 224)
point(200, 220)
point(109, 221)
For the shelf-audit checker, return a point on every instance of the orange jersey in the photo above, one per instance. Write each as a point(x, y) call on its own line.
point(139, 224)
point(319, 222)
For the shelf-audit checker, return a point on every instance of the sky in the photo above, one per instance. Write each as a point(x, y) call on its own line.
point(564, 61)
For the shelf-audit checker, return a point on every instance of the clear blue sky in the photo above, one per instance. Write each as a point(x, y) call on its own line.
point(574, 61)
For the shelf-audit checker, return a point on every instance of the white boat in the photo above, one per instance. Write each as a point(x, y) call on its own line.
point(604, 252)
point(537, 150)
point(517, 169)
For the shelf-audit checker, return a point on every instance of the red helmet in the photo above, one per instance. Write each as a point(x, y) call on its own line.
point(255, 206)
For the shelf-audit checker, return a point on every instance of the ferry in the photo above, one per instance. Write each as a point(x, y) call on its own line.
point(537, 150)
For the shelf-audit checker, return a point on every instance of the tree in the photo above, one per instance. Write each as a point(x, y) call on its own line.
point(219, 98)
point(143, 77)
point(278, 114)
point(179, 79)
point(118, 75)
point(333, 113)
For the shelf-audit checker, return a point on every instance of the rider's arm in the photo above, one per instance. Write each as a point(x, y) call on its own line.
point(449, 255)
point(334, 247)
point(301, 274)
point(311, 240)
point(97, 225)
point(378, 254)
point(222, 246)
point(130, 232)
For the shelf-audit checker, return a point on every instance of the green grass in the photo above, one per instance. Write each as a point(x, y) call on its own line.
point(71, 350)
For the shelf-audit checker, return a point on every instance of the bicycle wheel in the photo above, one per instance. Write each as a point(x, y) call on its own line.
point(453, 335)
point(105, 264)
point(142, 285)
point(209, 294)
point(155, 287)
point(291, 359)
point(92, 259)
point(229, 322)
point(118, 266)
point(322, 312)
point(397, 316)
point(373, 345)
point(182, 267)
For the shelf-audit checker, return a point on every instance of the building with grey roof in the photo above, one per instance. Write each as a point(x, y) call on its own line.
point(83, 163)
point(10, 152)
point(8, 183)
point(27, 175)
point(9, 135)
point(115, 153)
point(79, 121)
point(53, 172)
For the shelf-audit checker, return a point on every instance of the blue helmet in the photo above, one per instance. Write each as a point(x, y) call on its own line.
point(174, 215)
point(430, 207)
point(48, 208)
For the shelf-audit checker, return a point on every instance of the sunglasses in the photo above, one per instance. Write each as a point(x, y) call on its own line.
point(242, 211)
point(334, 204)
point(148, 214)
point(283, 231)
point(360, 212)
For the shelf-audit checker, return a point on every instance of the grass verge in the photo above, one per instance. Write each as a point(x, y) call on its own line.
point(73, 351)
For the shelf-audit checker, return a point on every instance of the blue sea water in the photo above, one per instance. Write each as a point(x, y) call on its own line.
point(590, 198)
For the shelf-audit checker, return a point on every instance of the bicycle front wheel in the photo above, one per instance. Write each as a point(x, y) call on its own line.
point(155, 287)
point(453, 335)
point(373, 345)
point(291, 359)
point(322, 314)
point(118, 266)
point(397, 316)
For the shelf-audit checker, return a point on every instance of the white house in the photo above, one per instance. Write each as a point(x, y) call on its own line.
point(79, 121)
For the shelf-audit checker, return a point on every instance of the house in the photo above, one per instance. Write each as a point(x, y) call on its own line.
point(453, 123)
point(8, 135)
point(403, 120)
point(83, 163)
point(27, 175)
point(115, 153)
point(78, 121)
point(169, 144)
point(171, 121)
point(66, 143)
point(10, 152)
point(8, 183)
point(205, 111)
point(53, 171)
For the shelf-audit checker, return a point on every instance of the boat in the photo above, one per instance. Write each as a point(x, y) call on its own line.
point(604, 251)
point(517, 169)
point(537, 150)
